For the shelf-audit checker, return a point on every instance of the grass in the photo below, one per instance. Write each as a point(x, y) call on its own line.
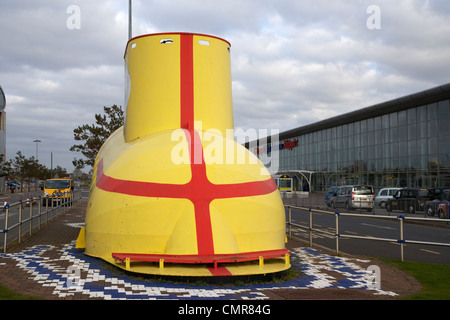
point(435, 279)
point(6, 294)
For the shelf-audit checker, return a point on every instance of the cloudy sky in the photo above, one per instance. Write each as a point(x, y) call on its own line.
point(294, 62)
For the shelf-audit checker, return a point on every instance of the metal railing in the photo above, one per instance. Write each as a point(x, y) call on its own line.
point(337, 235)
point(30, 212)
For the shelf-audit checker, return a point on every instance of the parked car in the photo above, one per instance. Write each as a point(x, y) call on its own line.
point(330, 194)
point(13, 185)
point(436, 195)
point(384, 195)
point(352, 197)
point(443, 209)
point(409, 200)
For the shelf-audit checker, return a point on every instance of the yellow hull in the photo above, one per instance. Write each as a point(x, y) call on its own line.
point(171, 193)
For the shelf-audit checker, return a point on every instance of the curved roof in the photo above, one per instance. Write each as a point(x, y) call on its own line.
point(404, 103)
point(2, 99)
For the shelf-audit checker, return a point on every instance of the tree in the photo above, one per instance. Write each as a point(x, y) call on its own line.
point(5, 167)
point(25, 168)
point(60, 172)
point(93, 136)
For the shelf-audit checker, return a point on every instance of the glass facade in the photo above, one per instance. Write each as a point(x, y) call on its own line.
point(406, 148)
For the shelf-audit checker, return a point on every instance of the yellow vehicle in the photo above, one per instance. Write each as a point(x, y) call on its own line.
point(55, 189)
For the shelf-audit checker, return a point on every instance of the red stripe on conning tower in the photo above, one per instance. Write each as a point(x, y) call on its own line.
point(187, 81)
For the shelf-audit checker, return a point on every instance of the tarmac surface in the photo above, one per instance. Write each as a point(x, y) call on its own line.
point(47, 265)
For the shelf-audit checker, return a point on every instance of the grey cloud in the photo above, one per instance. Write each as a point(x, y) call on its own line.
point(293, 62)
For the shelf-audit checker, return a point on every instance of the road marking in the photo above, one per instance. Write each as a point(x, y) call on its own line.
point(375, 226)
point(433, 252)
point(398, 244)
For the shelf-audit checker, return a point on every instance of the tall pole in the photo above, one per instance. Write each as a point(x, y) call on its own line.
point(37, 141)
point(130, 23)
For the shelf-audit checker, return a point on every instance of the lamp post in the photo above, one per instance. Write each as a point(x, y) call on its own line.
point(130, 24)
point(37, 141)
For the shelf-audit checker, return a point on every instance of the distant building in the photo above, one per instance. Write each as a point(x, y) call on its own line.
point(399, 143)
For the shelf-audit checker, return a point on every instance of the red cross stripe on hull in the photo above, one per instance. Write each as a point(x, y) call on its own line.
point(199, 190)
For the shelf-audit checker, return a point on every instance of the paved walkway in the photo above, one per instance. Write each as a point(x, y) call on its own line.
point(47, 265)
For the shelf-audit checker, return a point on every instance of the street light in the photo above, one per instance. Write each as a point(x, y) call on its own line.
point(129, 21)
point(37, 141)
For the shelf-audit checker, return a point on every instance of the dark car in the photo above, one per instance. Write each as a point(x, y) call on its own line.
point(330, 194)
point(443, 209)
point(409, 200)
point(437, 195)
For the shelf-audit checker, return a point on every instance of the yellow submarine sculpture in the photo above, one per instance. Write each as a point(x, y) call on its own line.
point(172, 192)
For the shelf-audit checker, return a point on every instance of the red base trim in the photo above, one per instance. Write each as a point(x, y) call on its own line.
point(197, 259)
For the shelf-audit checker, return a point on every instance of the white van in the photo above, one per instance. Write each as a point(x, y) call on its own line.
point(354, 197)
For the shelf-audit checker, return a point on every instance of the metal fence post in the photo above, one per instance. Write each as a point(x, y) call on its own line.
point(39, 213)
point(310, 228)
point(31, 215)
point(290, 222)
point(402, 236)
point(337, 231)
point(20, 219)
point(45, 199)
point(6, 227)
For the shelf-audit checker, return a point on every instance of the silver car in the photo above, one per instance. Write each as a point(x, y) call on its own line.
point(384, 195)
point(353, 197)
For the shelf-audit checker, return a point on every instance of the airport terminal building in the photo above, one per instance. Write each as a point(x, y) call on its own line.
point(400, 143)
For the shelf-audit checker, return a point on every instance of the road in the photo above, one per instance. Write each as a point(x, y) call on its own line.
point(380, 228)
point(14, 197)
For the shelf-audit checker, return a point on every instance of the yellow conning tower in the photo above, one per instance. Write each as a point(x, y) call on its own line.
point(172, 192)
point(171, 73)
